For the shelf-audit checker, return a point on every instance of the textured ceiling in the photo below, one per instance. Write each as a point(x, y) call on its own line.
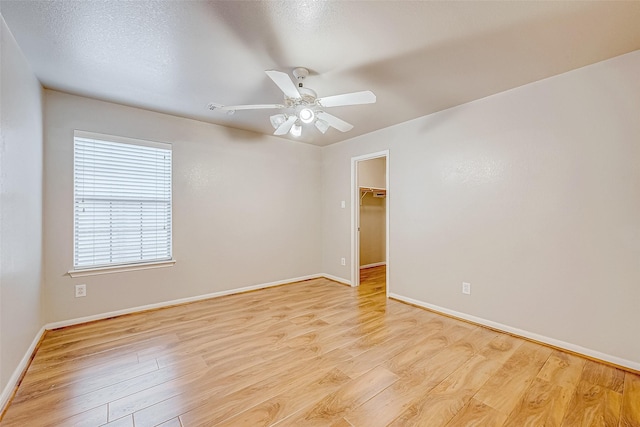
point(417, 57)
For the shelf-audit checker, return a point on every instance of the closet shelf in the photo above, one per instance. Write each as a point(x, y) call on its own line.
point(373, 189)
point(377, 192)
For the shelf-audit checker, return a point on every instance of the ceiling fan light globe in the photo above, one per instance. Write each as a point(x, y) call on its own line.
point(322, 125)
point(306, 115)
point(277, 120)
point(296, 130)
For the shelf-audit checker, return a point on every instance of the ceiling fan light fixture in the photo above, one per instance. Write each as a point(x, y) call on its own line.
point(322, 125)
point(306, 115)
point(302, 105)
point(296, 130)
point(277, 120)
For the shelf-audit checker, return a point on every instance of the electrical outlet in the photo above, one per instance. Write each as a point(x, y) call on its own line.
point(466, 288)
point(81, 291)
point(343, 261)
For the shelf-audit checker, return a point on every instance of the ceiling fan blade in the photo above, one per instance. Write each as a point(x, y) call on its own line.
point(355, 98)
point(250, 107)
point(286, 126)
point(284, 83)
point(335, 122)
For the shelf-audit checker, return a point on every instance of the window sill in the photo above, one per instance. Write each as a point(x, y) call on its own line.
point(120, 268)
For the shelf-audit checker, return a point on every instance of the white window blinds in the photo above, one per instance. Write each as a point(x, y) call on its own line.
point(122, 201)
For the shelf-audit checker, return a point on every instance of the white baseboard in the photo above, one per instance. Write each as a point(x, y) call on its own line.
point(629, 364)
point(336, 278)
point(20, 369)
point(13, 381)
point(79, 320)
point(23, 365)
point(375, 264)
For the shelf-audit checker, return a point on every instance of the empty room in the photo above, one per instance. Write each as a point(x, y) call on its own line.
point(328, 213)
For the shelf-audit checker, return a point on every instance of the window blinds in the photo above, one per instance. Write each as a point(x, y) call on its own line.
point(122, 202)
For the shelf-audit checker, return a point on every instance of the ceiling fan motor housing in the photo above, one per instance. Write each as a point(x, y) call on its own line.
point(300, 74)
point(307, 98)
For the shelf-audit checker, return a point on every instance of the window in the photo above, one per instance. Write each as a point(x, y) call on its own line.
point(122, 201)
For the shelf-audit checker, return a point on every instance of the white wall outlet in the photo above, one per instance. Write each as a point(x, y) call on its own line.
point(343, 204)
point(81, 291)
point(466, 288)
point(343, 261)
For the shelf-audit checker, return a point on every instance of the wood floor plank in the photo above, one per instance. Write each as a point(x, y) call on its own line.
point(502, 347)
point(102, 396)
point(222, 394)
point(353, 394)
point(89, 355)
point(127, 405)
point(477, 414)
point(214, 387)
point(603, 375)
point(121, 422)
point(563, 369)
point(631, 402)
point(432, 343)
point(504, 390)
point(341, 423)
point(70, 383)
point(379, 354)
point(417, 380)
point(593, 405)
point(311, 353)
point(92, 417)
point(211, 411)
point(174, 422)
point(443, 402)
point(286, 404)
point(543, 404)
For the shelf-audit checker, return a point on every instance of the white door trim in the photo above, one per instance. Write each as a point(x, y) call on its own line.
point(355, 216)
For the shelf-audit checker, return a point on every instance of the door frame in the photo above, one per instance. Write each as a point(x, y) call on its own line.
point(355, 216)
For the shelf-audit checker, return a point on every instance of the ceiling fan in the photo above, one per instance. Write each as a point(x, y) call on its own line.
point(302, 105)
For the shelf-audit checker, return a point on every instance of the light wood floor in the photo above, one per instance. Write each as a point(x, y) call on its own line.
point(311, 353)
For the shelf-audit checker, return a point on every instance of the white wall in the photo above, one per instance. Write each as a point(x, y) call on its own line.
point(20, 207)
point(532, 195)
point(246, 208)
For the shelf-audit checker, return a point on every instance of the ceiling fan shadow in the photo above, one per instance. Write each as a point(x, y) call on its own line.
point(448, 73)
point(242, 135)
point(245, 20)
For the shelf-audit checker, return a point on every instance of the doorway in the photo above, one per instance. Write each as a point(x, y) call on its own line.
point(370, 217)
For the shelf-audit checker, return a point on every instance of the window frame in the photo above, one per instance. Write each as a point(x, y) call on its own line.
point(79, 271)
